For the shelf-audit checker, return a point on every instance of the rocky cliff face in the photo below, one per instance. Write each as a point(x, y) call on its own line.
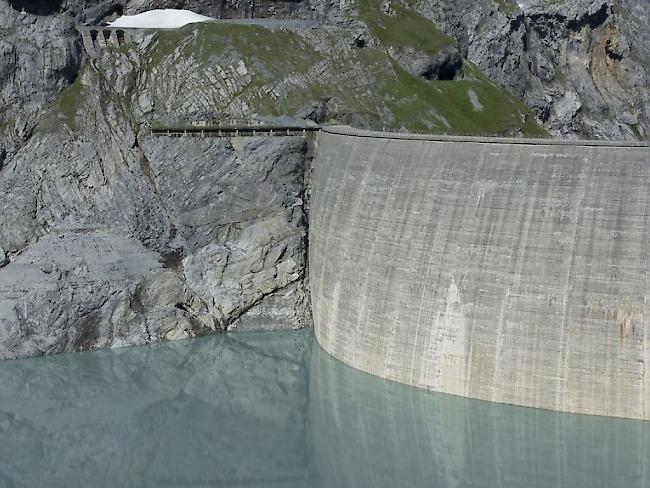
point(39, 56)
point(582, 65)
point(110, 236)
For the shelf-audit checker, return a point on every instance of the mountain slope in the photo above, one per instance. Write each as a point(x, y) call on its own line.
point(111, 236)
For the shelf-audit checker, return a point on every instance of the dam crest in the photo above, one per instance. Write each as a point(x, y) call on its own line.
point(508, 270)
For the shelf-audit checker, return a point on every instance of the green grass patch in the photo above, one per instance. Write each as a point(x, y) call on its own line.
point(532, 129)
point(272, 54)
point(446, 106)
point(405, 29)
point(288, 71)
point(280, 50)
point(65, 108)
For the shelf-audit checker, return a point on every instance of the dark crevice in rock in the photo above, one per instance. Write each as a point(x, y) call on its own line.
point(520, 25)
point(89, 332)
point(543, 113)
point(610, 50)
point(173, 259)
point(95, 15)
point(138, 308)
point(516, 23)
point(450, 69)
point(594, 20)
point(183, 307)
point(37, 7)
point(544, 23)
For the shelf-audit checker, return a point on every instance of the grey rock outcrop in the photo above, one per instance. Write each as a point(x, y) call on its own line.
point(39, 56)
point(582, 65)
point(61, 294)
point(179, 259)
point(242, 228)
point(121, 238)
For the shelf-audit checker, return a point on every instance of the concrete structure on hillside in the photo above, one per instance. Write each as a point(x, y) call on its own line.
point(96, 38)
point(508, 270)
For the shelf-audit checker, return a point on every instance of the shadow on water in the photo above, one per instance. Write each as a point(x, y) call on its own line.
point(272, 410)
point(375, 433)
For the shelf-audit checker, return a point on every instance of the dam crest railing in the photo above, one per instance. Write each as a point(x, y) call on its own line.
point(258, 129)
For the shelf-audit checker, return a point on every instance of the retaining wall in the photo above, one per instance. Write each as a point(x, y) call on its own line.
point(96, 38)
point(506, 270)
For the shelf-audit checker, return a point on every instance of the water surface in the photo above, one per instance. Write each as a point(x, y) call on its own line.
point(273, 410)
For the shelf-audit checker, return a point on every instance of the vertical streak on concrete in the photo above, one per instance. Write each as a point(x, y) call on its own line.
point(646, 383)
point(563, 356)
point(492, 269)
point(645, 391)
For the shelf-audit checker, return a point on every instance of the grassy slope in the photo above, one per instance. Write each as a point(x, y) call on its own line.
point(289, 70)
point(66, 108)
point(279, 61)
point(404, 29)
point(449, 100)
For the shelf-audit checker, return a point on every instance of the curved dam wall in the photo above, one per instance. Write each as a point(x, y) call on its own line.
point(505, 270)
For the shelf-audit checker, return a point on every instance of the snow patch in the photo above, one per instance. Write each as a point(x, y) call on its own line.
point(160, 19)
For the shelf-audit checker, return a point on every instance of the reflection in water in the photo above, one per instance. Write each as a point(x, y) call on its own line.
point(373, 433)
point(256, 410)
point(219, 411)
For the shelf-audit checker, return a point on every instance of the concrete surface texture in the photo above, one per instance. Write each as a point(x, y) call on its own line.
point(515, 273)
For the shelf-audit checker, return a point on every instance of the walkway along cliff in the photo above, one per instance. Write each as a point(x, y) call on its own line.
point(514, 271)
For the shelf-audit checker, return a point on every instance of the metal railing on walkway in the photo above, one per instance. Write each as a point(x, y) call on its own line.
point(236, 131)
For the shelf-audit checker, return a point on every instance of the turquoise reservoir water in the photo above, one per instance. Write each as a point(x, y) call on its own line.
point(273, 410)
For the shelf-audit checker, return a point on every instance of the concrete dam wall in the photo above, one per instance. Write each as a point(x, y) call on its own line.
point(505, 270)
